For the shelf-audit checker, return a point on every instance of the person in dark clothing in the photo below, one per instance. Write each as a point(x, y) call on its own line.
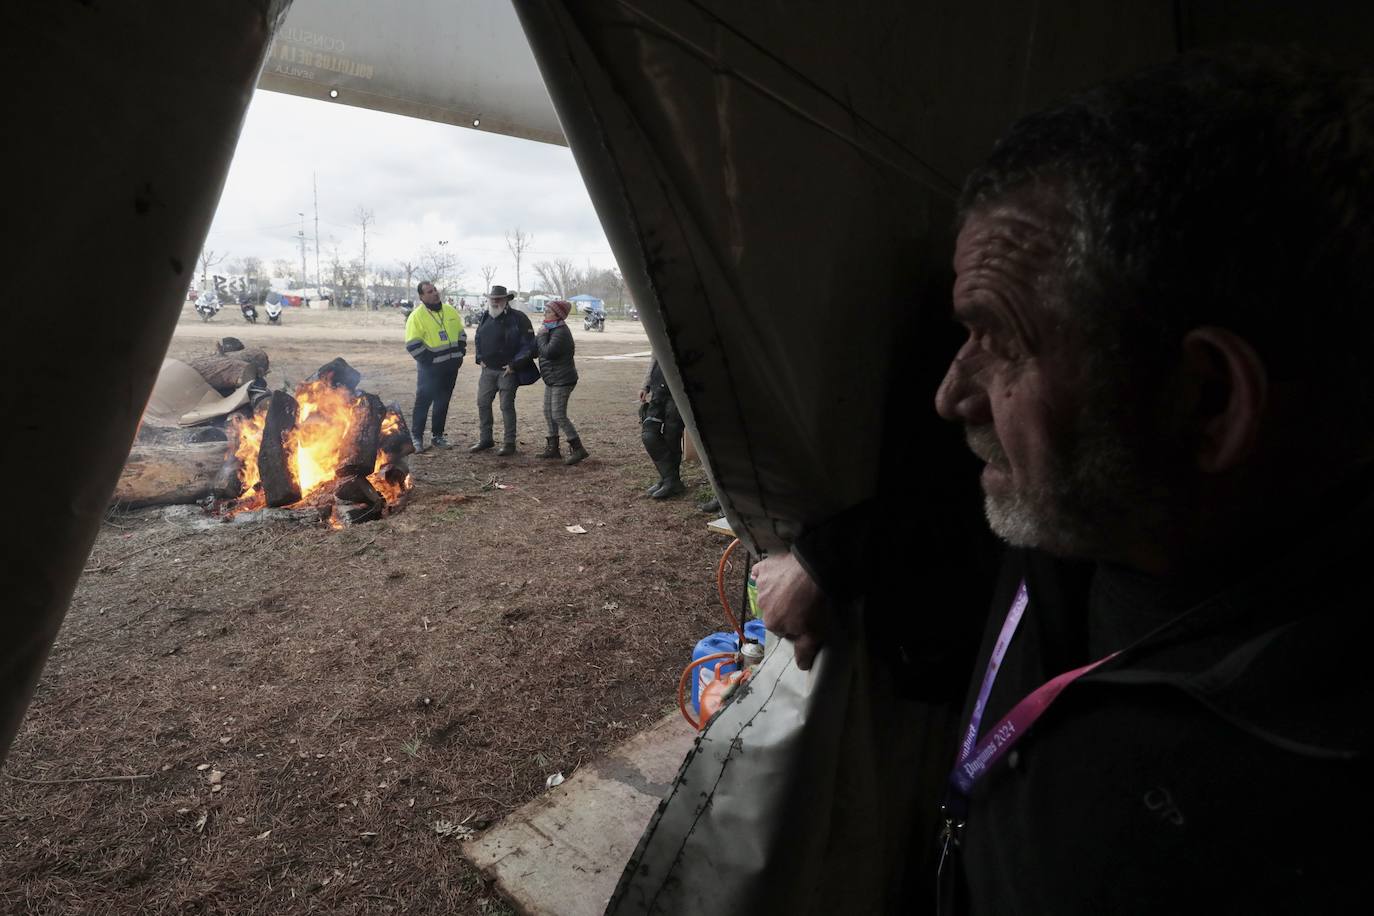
point(1165, 285)
point(436, 339)
point(505, 351)
point(556, 365)
point(661, 429)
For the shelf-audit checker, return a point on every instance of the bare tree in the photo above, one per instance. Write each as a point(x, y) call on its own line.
point(559, 277)
point(409, 268)
point(518, 242)
point(437, 266)
point(364, 218)
point(208, 260)
point(488, 274)
point(282, 268)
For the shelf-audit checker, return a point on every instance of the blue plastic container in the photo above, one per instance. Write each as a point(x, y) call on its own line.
point(720, 642)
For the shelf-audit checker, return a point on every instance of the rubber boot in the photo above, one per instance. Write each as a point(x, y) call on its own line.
point(551, 448)
point(575, 451)
point(672, 483)
point(506, 450)
point(654, 487)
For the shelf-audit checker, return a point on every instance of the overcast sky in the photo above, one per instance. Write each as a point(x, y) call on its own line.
point(425, 182)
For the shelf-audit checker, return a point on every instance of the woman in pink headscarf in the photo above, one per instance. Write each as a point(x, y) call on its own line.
point(556, 365)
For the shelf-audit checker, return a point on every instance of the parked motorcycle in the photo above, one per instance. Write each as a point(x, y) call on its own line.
point(249, 310)
point(273, 310)
point(207, 307)
point(595, 321)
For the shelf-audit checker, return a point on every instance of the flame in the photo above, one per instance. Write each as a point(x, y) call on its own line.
point(324, 427)
point(325, 424)
point(247, 439)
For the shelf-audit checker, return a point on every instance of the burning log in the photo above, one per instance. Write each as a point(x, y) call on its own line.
point(356, 500)
point(279, 483)
point(167, 475)
point(229, 481)
point(396, 442)
point(360, 453)
point(339, 373)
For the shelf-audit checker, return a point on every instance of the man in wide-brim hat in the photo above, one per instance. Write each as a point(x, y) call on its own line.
point(505, 351)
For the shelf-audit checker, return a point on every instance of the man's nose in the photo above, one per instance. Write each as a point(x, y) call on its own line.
point(961, 398)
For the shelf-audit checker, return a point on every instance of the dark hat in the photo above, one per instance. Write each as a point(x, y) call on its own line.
point(499, 292)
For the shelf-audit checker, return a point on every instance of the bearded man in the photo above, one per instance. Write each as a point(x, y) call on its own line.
point(505, 351)
point(1167, 286)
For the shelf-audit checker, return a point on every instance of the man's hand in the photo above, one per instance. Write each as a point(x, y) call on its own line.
point(643, 395)
point(793, 606)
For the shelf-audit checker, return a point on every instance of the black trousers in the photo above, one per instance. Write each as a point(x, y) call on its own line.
point(433, 386)
point(661, 430)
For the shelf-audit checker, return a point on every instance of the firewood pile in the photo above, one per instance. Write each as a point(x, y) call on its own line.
point(326, 450)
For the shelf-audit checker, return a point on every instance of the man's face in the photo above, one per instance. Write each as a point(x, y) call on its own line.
point(1059, 474)
point(429, 295)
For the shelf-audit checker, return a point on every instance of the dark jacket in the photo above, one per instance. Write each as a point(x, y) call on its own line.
point(1199, 768)
point(505, 341)
point(556, 349)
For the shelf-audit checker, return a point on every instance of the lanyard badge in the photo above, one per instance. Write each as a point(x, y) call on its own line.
point(976, 756)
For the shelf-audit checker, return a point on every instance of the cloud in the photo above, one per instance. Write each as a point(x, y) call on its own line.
point(423, 181)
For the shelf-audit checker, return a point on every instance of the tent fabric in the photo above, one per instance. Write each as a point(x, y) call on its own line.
point(764, 172)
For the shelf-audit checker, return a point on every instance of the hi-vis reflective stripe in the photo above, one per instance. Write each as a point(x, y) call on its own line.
point(452, 355)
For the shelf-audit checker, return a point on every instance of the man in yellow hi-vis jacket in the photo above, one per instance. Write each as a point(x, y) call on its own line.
point(435, 337)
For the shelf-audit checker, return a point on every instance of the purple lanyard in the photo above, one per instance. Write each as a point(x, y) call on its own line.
point(975, 759)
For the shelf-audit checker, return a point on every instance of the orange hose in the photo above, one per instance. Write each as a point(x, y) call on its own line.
point(682, 684)
point(720, 590)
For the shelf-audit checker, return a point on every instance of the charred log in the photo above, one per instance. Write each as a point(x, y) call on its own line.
point(356, 500)
point(274, 470)
point(396, 442)
point(338, 373)
point(229, 481)
point(360, 457)
point(228, 345)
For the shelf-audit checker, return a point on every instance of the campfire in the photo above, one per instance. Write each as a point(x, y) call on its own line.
point(328, 449)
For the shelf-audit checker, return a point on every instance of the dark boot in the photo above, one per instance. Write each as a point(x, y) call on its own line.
point(482, 446)
point(672, 483)
point(653, 488)
point(551, 448)
point(575, 451)
point(506, 450)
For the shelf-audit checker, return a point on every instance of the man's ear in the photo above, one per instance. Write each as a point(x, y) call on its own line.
point(1232, 388)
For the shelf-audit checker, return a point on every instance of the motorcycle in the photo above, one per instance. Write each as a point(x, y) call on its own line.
point(249, 310)
point(207, 307)
point(273, 310)
point(595, 321)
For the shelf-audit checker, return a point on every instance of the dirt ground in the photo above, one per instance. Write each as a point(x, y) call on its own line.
point(276, 718)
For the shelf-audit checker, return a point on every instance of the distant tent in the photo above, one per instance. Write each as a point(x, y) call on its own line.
point(587, 303)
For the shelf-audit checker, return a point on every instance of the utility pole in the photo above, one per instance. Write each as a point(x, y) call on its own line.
point(301, 235)
point(316, 185)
